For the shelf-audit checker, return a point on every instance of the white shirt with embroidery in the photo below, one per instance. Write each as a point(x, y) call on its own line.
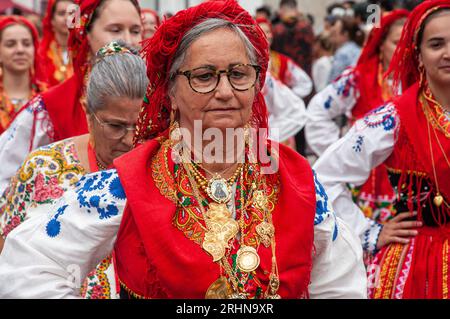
point(22, 137)
point(47, 256)
point(350, 160)
point(338, 98)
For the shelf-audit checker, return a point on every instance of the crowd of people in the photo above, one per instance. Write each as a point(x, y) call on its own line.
point(334, 181)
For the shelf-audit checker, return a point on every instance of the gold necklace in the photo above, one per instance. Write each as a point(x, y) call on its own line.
point(438, 199)
point(101, 167)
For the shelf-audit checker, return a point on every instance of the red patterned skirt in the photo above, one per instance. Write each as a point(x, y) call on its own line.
point(418, 270)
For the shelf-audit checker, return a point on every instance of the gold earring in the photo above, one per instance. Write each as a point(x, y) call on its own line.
point(175, 132)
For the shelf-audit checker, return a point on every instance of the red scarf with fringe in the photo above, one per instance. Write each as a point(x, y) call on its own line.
point(65, 110)
point(412, 154)
point(156, 260)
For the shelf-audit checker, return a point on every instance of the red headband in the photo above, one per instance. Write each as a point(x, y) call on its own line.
point(161, 48)
point(11, 20)
point(404, 64)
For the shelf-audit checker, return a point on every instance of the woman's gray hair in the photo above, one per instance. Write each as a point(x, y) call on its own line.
point(205, 27)
point(116, 75)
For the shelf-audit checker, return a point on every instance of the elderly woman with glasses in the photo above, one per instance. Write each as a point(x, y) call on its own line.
point(188, 214)
point(113, 107)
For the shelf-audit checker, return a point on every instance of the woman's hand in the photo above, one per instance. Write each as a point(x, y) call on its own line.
point(398, 231)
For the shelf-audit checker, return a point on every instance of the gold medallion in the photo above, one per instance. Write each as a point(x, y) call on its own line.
point(437, 200)
point(247, 259)
point(219, 289)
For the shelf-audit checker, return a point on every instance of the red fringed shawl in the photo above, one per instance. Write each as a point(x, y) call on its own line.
point(156, 260)
point(412, 158)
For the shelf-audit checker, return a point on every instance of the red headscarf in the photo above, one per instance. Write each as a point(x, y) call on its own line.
point(404, 64)
point(367, 68)
point(160, 51)
point(37, 78)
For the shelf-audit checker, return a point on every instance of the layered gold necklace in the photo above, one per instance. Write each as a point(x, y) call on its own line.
point(221, 227)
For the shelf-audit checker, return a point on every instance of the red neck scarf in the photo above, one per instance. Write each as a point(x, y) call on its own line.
point(156, 260)
point(367, 70)
point(412, 153)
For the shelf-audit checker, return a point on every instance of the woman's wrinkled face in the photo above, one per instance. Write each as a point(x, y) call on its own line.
point(224, 107)
point(149, 25)
point(435, 49)
point(59, 20)
point(116, 112)
point(118, 20)
point(16, 49)
point(390, 44)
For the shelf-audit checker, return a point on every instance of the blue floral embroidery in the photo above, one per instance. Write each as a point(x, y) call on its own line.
point(387, 120)
point(96, 192)
point(327, 104)
point(359, 142)
point(322, 210)
point(54, 226)
point(344, 85)
point(116, 189)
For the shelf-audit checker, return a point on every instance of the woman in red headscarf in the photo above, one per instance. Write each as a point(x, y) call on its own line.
point(410, 135)
point(59, 113)
point(53, 51)
point(20, 73)
point(184, 227)
point(151, 21)
point(356, 92)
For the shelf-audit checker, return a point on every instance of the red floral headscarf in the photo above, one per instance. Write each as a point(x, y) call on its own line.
point(405, 62)
point(159, 50)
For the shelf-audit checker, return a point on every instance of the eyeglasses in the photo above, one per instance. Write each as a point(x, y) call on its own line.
point(206, 79)
point(114, 131)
